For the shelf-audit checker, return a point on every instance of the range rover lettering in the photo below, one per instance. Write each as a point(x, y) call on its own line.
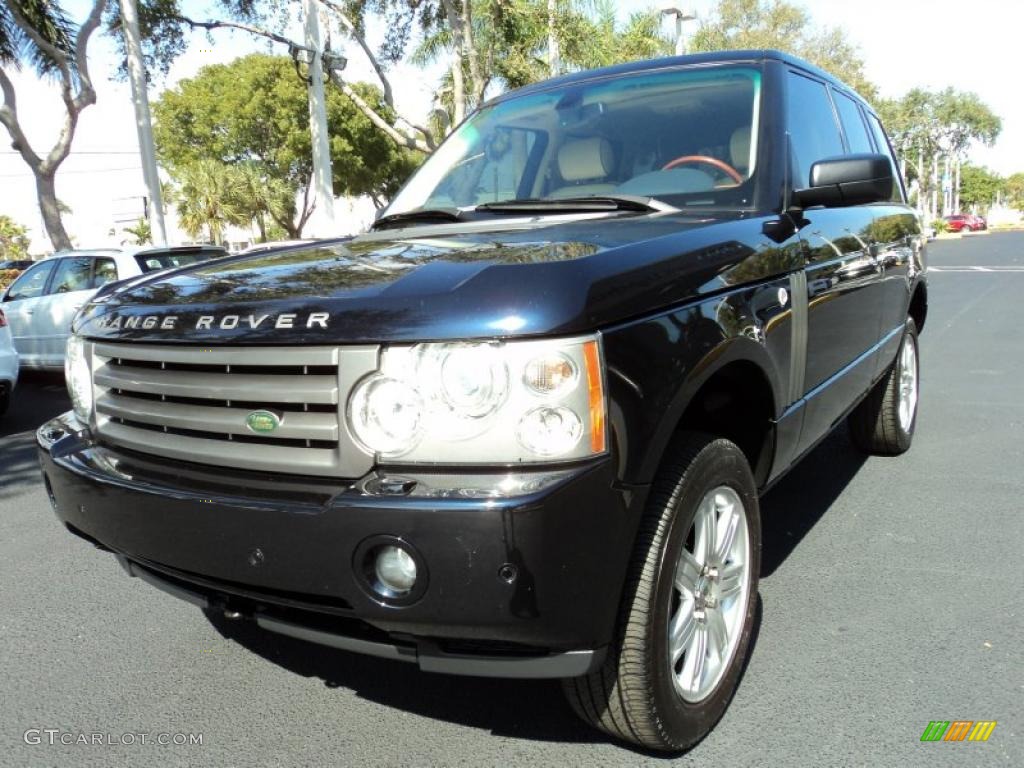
point(520, 427)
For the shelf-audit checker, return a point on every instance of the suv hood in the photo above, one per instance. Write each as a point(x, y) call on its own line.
point(452, 281)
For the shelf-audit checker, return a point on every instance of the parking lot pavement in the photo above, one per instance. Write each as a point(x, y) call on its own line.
point(891, 596)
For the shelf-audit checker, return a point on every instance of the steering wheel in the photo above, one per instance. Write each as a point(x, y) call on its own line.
point(721, 165)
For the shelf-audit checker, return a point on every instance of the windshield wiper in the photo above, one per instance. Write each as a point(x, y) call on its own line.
point(594, 203)
point(425, 214)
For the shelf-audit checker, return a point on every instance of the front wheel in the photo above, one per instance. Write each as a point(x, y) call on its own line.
point(884, 422)
point(688, 605)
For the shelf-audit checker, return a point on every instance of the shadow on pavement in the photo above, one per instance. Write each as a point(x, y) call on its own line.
point(536, 709)
point(528, 709)
point(791, 509)
point(38, 397)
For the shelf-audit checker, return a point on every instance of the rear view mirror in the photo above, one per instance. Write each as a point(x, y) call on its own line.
point(847, 180)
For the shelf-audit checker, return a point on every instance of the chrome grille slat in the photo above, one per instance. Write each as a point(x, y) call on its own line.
point(220, 355)
point(192, 404)
point(267, 458)
point(218, 386)
point(298, 425)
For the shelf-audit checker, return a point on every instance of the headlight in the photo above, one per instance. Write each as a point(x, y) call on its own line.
point(79, 378)
point(483, 403)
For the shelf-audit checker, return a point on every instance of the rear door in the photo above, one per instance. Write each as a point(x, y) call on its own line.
point(21, 303)
point(843, 313)
point(900, 251)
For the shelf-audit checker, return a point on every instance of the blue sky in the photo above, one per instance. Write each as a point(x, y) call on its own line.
point(904, 43)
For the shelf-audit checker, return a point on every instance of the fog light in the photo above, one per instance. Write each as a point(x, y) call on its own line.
point(395, 570)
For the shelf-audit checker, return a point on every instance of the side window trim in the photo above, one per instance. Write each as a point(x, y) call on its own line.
point(48, 288)
point(827, 87)
point(838, 118)
point(835, 93)
point(877, 131)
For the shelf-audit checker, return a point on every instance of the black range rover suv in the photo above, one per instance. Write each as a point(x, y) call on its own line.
point(520, 428)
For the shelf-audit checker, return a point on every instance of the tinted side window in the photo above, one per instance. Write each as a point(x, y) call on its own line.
point(73, 274)
point(104, 272)
point(885, 148)
point(31, 283)
point(814, 133)
point(853, 124)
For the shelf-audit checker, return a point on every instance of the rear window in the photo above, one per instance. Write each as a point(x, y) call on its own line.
point(151, 261)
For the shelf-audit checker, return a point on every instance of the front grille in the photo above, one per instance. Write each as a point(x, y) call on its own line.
point(192, 404)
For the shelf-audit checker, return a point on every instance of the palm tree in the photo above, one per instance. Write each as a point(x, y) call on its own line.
point(207, 198)
point(40, 34)
point(258, 197)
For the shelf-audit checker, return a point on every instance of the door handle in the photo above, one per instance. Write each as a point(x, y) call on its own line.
point(30, 311)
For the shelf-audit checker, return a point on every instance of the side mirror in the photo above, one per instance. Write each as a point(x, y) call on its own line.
point(847, 180)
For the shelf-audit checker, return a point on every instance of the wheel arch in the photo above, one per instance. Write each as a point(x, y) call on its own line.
point(733, 392)
point(918, 309)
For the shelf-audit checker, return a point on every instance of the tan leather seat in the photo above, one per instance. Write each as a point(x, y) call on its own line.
point(585, 164)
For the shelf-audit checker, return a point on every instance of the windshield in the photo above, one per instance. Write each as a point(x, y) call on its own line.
point(683, 136)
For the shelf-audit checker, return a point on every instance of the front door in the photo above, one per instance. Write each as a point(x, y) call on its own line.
point(70, 288)
point(844, 292)
point(21, 303)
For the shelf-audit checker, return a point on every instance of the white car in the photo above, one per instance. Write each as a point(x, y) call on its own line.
point(8, 364)
point(42, 302)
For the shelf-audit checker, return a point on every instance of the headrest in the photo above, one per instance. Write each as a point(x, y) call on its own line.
point(739, 149)
point(581, 159)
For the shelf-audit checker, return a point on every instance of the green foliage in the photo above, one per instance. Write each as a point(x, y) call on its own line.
point(207, 199)
point(254, 113)
point(787, 27)
point(141, 232)
point(926, 126)
point(940, 225)
point(978, 187)
point(49, 20)
point(511, 37)
point(1014, 190)
point(14, 240)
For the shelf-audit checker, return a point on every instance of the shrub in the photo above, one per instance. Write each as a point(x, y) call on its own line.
point(7, 277)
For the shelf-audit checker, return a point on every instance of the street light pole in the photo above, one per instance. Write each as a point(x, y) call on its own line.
point(147, 150)
point(671, 9)
point(322, 175)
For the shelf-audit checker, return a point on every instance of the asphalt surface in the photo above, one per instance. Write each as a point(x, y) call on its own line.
point(891, 596)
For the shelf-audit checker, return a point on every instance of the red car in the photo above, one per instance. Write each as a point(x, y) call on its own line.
point(958, 222)
point(977, 223)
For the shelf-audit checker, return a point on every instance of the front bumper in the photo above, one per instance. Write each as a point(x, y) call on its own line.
point(525, 585)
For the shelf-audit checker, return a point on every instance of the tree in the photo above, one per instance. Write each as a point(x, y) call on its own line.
point(513, 39)
point(253, 114)
point(14, 240)
point(1014, 189)
point(932, 132)
point(207, 200)
point(485, 40)
point(979, 186)
point(784, 26)
point(141, 232)
point(40, 34)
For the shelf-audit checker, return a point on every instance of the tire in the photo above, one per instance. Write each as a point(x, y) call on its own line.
point(639, 693)
point(5, 402)
point(877, 425)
